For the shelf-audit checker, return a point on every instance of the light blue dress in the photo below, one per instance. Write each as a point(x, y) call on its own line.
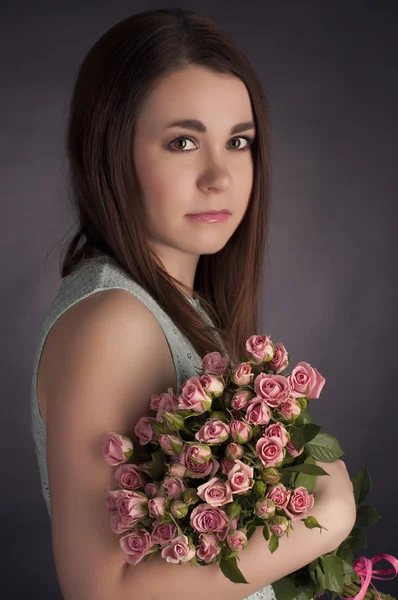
point(92, 276)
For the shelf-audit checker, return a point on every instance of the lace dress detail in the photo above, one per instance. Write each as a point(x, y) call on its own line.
point(94, 275)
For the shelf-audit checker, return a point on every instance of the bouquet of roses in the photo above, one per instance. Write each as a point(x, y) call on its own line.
point(234, 450)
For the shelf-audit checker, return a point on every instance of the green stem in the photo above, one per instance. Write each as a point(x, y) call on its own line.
point(352, 590)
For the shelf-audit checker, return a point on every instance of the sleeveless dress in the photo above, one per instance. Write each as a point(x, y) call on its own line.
point(91, 276)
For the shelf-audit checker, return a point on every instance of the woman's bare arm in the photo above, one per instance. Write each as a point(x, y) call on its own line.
point(158, 580)
point(107, 363)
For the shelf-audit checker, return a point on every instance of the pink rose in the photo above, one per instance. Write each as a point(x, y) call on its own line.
point(193, 397)
point(166, 401)
point(208, 547)
point(226, 530)
point(136, 545)
point(306, 381)
point(215, 364)
point(280, 360)
point(163, 533)
point(237, 540)
point(151, 489)
point(126, 508)
point(129, 477)
point(157, 506)
point(270, 451)
point(205, 518)
point(241, 399)
point(144, 431)
point(280, 527)
point(197, 459)
point(116, 449)
point(226, 465)
point(274, 389)
point(234, 451)
point(289, 410)
point(301, 502)
point(242, 374)
point(213, 432)
point(174, 487)
point(279, 495)
point(212, 385)
point(265, 508)
point(260, 347)
point(279, 431)
point(258, 412)
point(215, 492)
point(241, 432)
point(178, 551)
point(291, 450)
point(240, 477)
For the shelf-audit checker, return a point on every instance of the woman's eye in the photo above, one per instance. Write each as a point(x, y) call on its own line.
point(246, 146)
point(180, 139)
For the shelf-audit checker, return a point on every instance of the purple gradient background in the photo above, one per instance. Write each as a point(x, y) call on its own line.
point(330, 71)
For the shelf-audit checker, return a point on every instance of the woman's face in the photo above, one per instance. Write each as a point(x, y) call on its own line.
point(182, 170)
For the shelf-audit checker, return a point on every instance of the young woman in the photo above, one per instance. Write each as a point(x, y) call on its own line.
point(168, 121)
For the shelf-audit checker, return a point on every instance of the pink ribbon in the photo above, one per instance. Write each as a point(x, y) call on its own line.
point(363, 566)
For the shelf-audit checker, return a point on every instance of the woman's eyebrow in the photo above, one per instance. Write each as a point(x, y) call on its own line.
point(201, 127)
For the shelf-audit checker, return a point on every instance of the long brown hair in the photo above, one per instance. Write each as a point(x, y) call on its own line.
point(114, 78)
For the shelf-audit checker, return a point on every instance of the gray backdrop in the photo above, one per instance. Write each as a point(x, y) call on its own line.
point(330, 72)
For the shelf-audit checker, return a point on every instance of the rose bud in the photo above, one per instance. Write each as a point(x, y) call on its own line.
point(241, 432)
point(116, 448)
point(280, 527)
point(280, 360)
point(234, 451)
point(259, 487)
point(173, 421)
point(242, 374)
point(190, 496)
point(270, 475)
point(265, 507)
point(237, 540)
point(240, 400)
point(212, 385)
point(170, 444)
point(178, 509)
point(177, 470)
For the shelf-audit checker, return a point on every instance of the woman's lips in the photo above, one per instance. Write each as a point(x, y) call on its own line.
point(210, 217)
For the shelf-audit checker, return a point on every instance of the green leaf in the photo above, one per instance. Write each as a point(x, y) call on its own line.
point(284, 589)
point(320, 580)
point(266, 532)
point(362, 485)
point(306, 480)
point(303, 418)
point(324, 447)
point(309, 469)
point(273, 544)
point(313, 564)
point(157, 465)
point(367, 516)
point(346, 554)
point(230, 569)
point(334, 571)
point(251, 528)
point(356, 539)
point(305, 434)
